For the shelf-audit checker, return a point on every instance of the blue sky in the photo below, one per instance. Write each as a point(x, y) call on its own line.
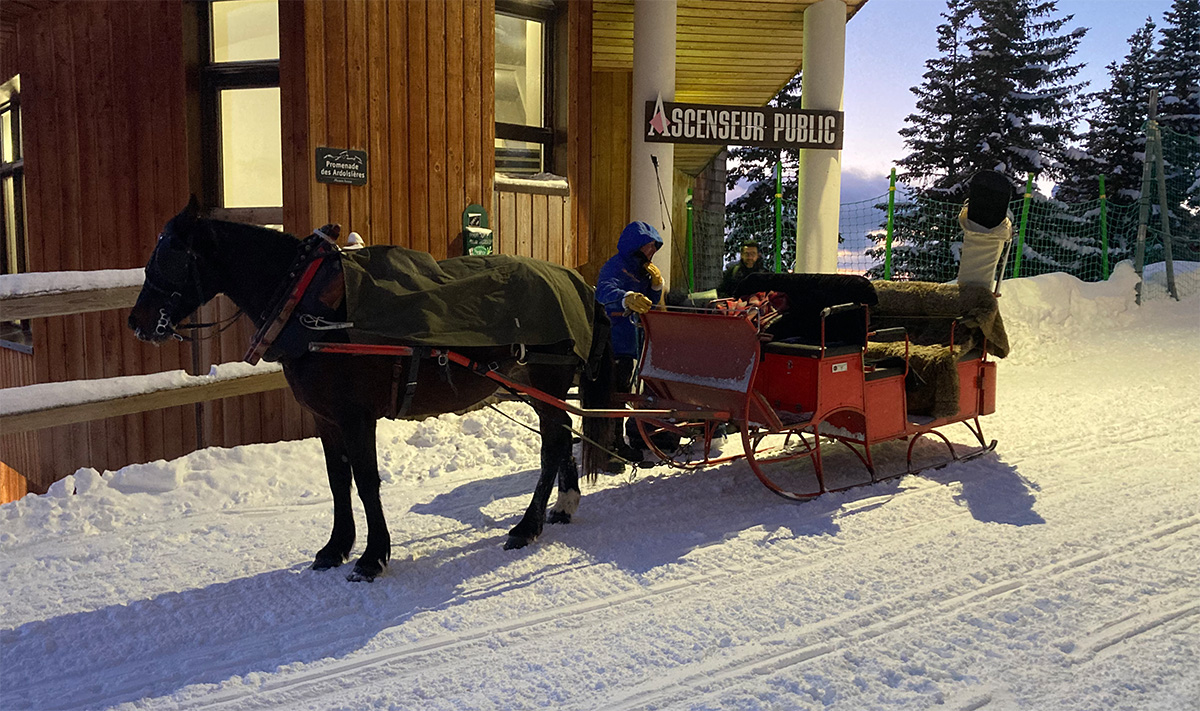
point(887, 44)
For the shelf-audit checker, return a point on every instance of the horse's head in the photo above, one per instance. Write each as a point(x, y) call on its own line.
point(179, 277)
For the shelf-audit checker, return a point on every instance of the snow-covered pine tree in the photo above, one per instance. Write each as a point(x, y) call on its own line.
point(1114, 146)
point(751, 215)
point(1114, 142)
point(1176, 69)
point(1020, 96)
point(937, 149)
point(1001, 96)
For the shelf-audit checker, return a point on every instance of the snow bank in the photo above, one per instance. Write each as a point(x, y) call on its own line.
point(1054, 308)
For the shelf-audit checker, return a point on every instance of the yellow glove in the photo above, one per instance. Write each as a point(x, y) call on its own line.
point(656, 280)
point(637, 303)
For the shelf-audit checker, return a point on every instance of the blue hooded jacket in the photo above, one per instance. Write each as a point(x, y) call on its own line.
point(623, 273)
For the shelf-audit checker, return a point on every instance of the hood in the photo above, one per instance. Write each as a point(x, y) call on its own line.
point(635, 235)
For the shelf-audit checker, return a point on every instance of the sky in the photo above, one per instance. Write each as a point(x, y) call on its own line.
point(887, 44)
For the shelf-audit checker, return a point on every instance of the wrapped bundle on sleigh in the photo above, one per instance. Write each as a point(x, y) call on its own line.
point(946, 323)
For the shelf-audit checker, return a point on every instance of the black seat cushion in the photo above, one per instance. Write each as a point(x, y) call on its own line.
point(808, 295)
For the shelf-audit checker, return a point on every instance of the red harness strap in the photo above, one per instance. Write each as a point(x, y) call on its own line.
point(270, 331)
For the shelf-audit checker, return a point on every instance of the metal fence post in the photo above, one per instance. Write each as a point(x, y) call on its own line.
point(1024, 222)
point(691, 262)
point(1103, 231)
point(891, 218)
point(778, 216)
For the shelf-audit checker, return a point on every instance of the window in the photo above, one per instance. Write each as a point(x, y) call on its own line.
point(14, 257)
point(524, 87)
point(243, 176)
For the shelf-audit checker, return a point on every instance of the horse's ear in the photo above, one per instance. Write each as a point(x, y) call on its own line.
point(189, 213)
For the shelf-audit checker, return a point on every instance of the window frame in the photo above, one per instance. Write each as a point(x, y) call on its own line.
point(215, 77)
point(546, 135)
point(15, 335)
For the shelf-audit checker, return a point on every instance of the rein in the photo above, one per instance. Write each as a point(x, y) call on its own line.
point(221, 326)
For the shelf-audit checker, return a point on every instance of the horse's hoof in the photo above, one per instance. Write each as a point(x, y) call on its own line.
point(558, 517)
point(325, 561)
point(514, 542)
point(359, 576)
point(366, 570)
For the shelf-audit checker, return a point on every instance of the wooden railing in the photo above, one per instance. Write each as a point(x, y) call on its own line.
point(190, 390)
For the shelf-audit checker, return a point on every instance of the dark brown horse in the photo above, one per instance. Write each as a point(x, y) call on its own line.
point(196, 259)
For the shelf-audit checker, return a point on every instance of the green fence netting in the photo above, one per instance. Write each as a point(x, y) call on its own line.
point(1085, 239)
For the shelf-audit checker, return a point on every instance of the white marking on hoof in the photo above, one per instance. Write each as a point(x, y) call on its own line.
point(567, 502)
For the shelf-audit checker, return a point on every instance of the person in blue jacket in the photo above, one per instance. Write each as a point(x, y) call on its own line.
point(628, 284)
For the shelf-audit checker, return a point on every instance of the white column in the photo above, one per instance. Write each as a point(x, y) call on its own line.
point(653, 74)
point(821, 170)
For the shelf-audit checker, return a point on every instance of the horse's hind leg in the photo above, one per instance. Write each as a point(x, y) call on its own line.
point(337, 465)
point(360, 442)
point(556, 453)
point(568, 493)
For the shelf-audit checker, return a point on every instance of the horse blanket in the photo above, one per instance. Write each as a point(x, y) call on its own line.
point(491, 300)
point(396, 294)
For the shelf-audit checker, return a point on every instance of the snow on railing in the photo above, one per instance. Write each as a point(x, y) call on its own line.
point(42, 294)
point(33, 407)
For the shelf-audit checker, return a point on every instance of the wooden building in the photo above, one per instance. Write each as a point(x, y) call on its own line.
point(117, 111)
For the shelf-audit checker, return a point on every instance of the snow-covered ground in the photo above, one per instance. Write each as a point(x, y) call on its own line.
point(1060, 572)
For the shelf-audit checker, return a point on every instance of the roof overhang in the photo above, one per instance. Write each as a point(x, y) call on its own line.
point(735, 52)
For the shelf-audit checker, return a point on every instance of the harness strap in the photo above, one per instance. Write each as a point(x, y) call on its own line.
point(410, 388)
point(270, 329)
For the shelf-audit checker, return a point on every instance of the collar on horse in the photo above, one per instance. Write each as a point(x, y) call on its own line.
point(313, 251)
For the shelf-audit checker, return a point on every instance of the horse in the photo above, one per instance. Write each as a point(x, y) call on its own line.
point(196, 259)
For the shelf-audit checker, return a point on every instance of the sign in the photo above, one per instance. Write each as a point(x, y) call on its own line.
point(477, 237)
point(763, 126)
point(341, 165)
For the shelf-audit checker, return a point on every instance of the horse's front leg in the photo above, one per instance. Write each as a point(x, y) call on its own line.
point(337, 465)
point(556, 454)
point(360, 441)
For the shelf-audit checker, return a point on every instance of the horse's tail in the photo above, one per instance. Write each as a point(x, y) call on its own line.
point(596, 387)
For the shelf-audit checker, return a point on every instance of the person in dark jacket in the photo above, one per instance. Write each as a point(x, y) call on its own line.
point(734, 273)
point(629, 283)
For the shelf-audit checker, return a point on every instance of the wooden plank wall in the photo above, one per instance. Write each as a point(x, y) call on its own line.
point(413, 84)
point(90, 206)
point(611, 92)
point(18, 452)
point(579, 133)
point(534, 225)
point(106, 167)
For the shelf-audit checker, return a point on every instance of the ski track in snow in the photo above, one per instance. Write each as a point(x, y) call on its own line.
point(1060, 572)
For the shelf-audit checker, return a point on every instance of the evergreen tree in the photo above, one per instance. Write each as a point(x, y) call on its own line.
point(1114, 146)
point(999, 97)
point(1115, 142)
point(1176, 68)
point(938, 148)
point(752, 216)
point(1020, 99)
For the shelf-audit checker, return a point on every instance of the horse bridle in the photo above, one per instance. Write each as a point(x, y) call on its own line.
point(160, 283)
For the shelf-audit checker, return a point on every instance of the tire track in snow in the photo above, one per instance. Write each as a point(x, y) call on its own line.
point(335, 674)
point(339, 675)
point(845, 632)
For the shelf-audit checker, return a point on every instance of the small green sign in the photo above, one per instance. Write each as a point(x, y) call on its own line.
point(477, 236)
